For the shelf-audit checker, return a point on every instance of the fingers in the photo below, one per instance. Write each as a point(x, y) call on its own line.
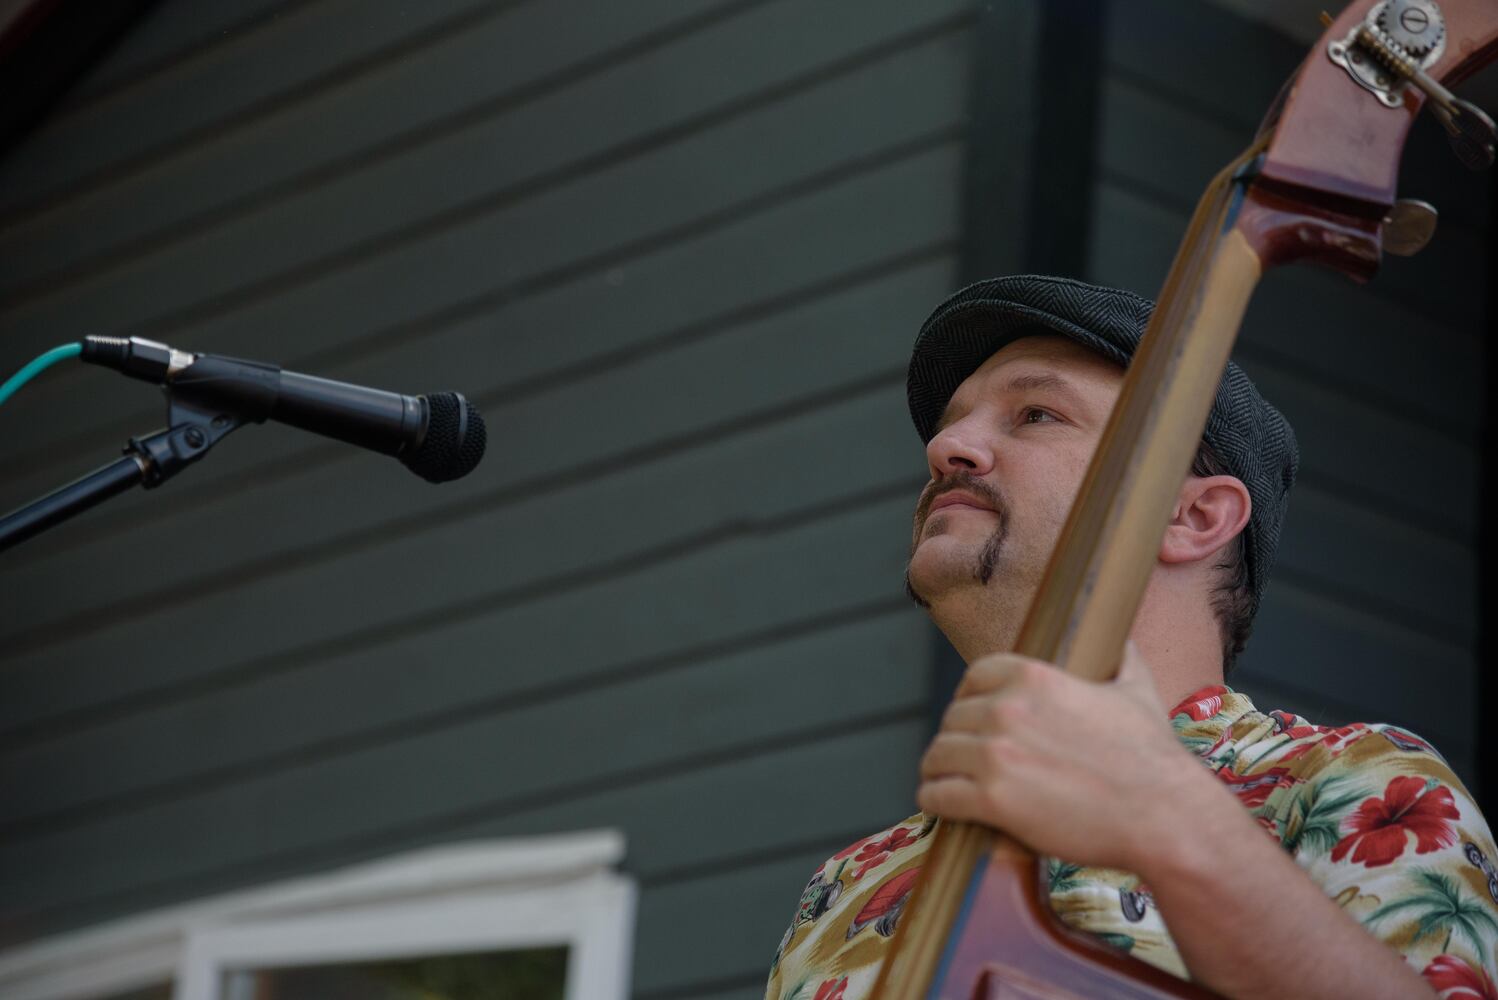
point(1001, 692)
point(1000, 670)
point(971, 715)
point(956, 771)
point(956, 753)
point(954, 798)
point(965, 777)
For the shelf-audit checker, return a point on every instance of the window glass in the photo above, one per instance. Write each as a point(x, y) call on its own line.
point(161, 992)
point(534, 974)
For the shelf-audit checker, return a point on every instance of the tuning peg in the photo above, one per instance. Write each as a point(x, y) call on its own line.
point(1472, 133)
point(1408, 227)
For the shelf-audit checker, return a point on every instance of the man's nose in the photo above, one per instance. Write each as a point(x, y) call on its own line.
point(958, 447)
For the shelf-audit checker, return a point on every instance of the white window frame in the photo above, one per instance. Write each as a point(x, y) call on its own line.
point(476, 896)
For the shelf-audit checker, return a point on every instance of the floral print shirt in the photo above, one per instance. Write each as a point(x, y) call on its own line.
point(1371, 813)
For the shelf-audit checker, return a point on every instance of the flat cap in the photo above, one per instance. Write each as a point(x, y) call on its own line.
point(1253, 440)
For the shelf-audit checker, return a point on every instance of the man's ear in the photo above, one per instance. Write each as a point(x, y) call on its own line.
point(1210, 512)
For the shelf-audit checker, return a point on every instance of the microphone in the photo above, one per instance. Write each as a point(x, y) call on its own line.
point(439, 437)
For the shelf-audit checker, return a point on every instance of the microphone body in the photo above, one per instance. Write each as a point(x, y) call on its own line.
point(439, 437)
point(386, 422)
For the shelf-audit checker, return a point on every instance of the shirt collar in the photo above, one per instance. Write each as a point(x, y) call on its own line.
point(1204, 716)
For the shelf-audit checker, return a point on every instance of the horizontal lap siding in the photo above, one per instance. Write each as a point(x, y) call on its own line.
point(367, 292)
point(1372, 610)
point(719, 495)
point(676, 254)
point(578, 430)
point(308, 46)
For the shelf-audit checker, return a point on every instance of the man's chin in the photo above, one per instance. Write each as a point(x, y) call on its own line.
point(946, 550)
point(938, 566)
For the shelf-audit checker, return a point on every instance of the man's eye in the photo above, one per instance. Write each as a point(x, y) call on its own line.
point(1035, 415)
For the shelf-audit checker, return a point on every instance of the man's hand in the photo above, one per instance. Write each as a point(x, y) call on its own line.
point(1093, 774)
point(1088, 772)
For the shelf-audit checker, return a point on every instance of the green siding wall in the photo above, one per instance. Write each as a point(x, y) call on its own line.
point(676, 252)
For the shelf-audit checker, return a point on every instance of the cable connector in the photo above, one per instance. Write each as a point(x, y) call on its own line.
point(136, 357)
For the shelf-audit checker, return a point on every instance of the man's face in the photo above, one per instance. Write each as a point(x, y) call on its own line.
point(1006, 462)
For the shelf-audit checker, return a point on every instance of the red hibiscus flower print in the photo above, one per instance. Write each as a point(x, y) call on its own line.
point(1335, 740)
point(853, 848)
point(832, 989)
point(1254, 789)
point(1203, 704)
point(1454, 979)
point(874, 853)
point(1375, 831)
point(885, 905)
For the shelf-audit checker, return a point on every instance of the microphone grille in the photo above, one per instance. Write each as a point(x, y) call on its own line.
point(454, 440)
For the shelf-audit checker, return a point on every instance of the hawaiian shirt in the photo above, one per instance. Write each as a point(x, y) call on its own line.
point(1371, 813)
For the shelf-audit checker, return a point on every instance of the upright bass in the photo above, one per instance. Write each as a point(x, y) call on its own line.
point(1316, 184)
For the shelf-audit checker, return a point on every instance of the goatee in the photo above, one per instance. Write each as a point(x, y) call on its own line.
point(988, 557)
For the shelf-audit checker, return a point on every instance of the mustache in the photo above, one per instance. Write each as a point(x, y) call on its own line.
point(965, 481)
point(988, 559)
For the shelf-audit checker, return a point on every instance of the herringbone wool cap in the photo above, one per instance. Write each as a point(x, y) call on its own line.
point(1254, 441)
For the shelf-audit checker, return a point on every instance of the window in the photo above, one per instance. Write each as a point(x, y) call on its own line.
point(547, 919)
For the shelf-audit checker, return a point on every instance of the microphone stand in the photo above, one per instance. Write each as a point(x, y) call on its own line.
point(150, 461)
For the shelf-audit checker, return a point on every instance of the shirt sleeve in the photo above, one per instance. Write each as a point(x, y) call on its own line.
point(1389, 831)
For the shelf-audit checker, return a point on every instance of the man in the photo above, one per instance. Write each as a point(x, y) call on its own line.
point(1300, 860)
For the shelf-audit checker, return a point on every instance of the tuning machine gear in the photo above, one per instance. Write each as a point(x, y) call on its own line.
point(1416, 26)
point(1374, 56)
point(1417, 22)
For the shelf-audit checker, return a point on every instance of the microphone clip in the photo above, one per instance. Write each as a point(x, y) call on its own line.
point(191, 430)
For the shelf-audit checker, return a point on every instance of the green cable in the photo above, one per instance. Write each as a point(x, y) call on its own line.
point(30, 372)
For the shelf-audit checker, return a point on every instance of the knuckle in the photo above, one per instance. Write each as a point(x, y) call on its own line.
point(991, 800)
point(1008, 714)
point(996, 752)
point(997, 712)
point(1003, 752)
point(1035, 674)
